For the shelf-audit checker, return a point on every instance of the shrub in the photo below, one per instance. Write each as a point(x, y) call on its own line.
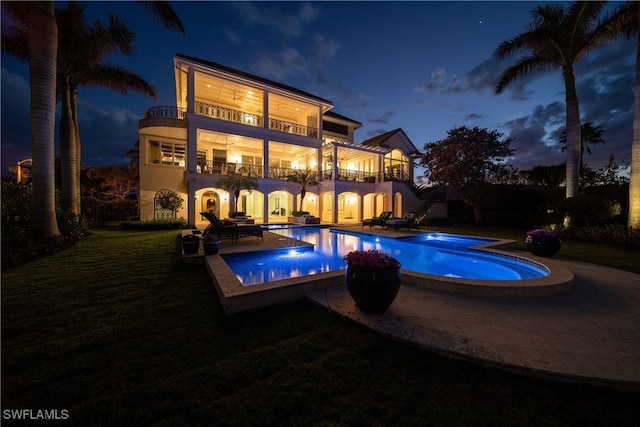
point(587, 209)
point(19, 245)
point(617, 234)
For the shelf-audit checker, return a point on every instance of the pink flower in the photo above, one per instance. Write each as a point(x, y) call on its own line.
point(371, 259)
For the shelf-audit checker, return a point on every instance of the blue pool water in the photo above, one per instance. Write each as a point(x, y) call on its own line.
point(432, 253)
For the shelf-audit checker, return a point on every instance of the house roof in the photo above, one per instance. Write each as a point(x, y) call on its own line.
point(383, 138)
point(341, 117)
point(250, 76)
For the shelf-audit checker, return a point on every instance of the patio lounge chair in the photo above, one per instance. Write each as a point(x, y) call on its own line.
point(408, 221)
point(377, 220)
point(229, 230)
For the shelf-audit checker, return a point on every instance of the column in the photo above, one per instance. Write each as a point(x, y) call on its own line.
point(191, 94)
point(265, 108)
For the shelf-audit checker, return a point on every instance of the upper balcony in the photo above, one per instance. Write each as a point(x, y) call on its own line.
point(251, 119)
point(163, 116)
point(174, 117)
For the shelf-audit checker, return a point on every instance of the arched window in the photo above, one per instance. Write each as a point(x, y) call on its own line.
point(166, 203)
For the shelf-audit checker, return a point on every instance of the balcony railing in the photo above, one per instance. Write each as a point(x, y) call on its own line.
point(228, 114)
point(289, 127)
point(396, 175)
point(165, 112)
point(250, 119)
point(357, 176)
point(225, 168)
point(360, 176)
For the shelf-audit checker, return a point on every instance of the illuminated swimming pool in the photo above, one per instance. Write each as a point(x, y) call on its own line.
point(431, 253)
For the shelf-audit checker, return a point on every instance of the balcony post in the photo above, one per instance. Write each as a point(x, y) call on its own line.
point(319, 123)
point(191, 104)
point(265, 158)
point(265, 109)
point(334, 171)
point(192, 151)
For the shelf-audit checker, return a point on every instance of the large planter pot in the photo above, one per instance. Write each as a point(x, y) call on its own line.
point(373, 290)
point(546, 246)
point(190, 245)
point(211, 248)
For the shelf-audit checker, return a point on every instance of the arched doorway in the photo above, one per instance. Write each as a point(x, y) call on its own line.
point(210, 202)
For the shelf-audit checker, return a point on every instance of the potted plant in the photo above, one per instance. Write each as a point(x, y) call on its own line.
point(545, 243)
point(373, 279)
point(210, 243)
point(190, 244)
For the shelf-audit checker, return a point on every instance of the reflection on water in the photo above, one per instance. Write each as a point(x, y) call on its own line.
point(435, 253)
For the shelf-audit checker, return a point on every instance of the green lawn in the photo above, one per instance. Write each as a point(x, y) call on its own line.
point(119, 332)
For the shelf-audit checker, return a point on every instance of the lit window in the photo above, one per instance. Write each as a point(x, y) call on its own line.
point(167, 153)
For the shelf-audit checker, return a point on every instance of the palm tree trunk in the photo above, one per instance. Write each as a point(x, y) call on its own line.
point(477, 213)
point(303, 192)
point(43, 54)
point(573, 136)
point(634, 184)
point(67, 155)
point(74, 111)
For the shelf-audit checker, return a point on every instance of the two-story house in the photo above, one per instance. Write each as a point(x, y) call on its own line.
point(229, 121)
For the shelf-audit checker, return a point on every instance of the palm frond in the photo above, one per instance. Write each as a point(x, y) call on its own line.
point(116, 78)
point(163, 11)
point(526, 66)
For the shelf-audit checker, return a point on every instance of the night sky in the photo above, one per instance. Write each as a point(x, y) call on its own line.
point(425, 67)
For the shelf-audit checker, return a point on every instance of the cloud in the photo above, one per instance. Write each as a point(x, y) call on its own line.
point(383, 119)
point(438, 76)
point(232, 35)
point(480, 78)
point(532, 141)
point(287, 23)
point(349, 101)
point(106, 133)
point(288, 62)
point(321, 52)
point(16, 122)
point(473, 116)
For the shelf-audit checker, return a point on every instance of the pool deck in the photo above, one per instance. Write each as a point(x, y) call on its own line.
point(588, 334)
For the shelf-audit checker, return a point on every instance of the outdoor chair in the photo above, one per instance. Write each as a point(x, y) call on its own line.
point(377, 220)
point(220, 228)
point(408, 221)
point(224, 229)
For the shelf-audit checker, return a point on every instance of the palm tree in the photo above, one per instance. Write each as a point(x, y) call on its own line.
point(37, 19)
point(305, 178)
point(134, 158)
point(235, 182)
point(589, 135)
point(557, 38)
point(81, 51)
point(625, 22)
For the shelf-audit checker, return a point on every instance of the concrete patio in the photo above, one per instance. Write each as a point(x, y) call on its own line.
point(590, 334)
